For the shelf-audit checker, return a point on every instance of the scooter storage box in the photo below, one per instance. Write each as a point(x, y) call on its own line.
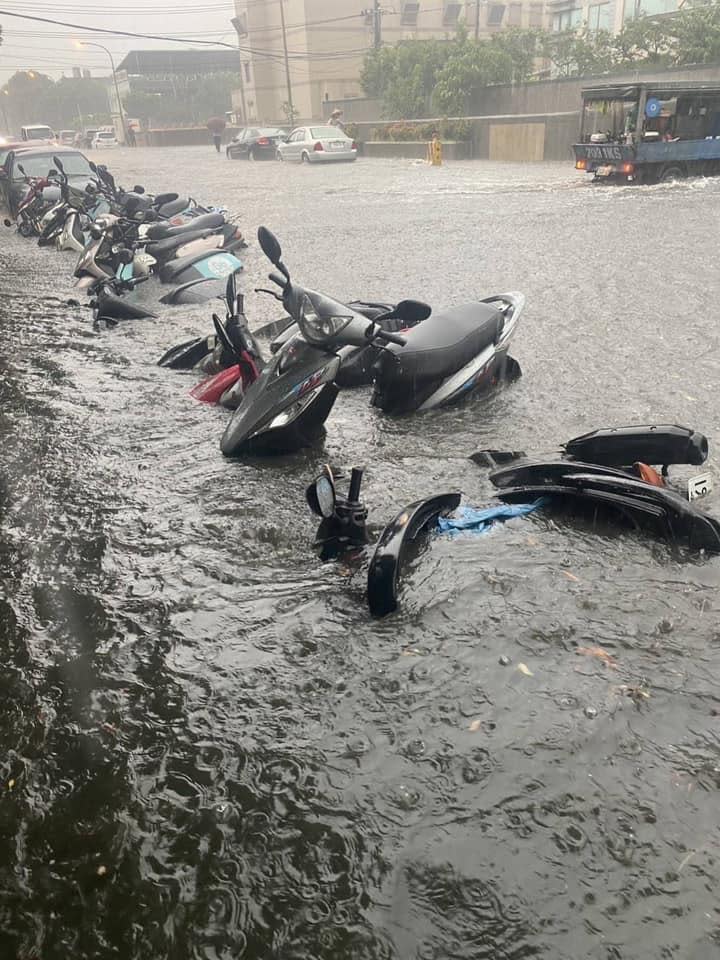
point(656, 444)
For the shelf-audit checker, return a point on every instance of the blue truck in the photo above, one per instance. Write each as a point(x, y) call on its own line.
point(649, 132)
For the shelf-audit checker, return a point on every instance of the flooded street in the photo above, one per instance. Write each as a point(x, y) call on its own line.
point(209, 749)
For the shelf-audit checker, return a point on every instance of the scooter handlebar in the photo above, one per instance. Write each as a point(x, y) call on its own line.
point(390, 337)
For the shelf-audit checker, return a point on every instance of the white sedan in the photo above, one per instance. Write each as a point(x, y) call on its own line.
point(317, 145)
point(104, 139)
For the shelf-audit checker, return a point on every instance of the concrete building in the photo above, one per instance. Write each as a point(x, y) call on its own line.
point(328, 39)
point(161, 72)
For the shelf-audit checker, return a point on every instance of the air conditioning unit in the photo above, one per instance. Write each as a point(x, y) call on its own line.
point(369, 18)
point(240, 24)
point(409, 13)
point(451, 12)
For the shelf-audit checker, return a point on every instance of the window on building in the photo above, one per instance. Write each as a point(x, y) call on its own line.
point(599, 17)
point(514, 15)
point(536, 16)
point(409, 13)
point(451, 12)
point(496, 14)
point(567, 19)
point(648, 8)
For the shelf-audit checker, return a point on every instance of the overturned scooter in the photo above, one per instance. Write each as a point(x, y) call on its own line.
point(617, 490)
point(610, 474)
point(343, 532)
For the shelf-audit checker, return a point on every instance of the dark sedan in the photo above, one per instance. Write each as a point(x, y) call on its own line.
point(255, 143)
point(37, 162)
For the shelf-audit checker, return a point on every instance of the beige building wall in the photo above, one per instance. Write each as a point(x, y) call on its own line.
point(327, 41)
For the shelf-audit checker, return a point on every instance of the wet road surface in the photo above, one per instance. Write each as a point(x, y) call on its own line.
point(210, 751)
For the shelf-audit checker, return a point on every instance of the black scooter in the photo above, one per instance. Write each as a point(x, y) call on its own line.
point(286, 408)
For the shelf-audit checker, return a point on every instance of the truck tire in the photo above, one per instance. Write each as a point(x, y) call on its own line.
point(673, 171)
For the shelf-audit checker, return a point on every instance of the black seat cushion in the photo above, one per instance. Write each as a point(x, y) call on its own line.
point(173, 208)
point(442, 344)
point(208, 221)
point(162, 248)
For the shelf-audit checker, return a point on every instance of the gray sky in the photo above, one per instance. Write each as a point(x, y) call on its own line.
point(50, 49)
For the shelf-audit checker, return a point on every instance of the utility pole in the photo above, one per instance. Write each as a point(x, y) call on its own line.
point(287, 65)
point(477, 19)
point(376, 14)
point(241, 33)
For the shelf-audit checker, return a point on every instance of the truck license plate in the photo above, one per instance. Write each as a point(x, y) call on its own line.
point(604, 171)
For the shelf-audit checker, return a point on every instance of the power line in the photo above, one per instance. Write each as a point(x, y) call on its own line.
point(116, 33)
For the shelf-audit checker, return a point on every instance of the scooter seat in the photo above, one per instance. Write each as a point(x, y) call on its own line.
point(161, 248)
point(442, 344)
point(208, 221)
point(173, 208)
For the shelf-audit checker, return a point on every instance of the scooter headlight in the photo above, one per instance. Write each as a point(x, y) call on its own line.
point(317, 328)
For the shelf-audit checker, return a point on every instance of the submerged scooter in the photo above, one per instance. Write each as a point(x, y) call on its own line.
point(204, 353)
point(287, 406)
point(606, 475)
point(452, 354)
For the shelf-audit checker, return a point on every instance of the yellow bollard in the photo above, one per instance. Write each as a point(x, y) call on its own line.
point(435, 151)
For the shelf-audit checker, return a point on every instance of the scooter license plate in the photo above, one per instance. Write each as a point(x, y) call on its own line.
point(699, 486)
point(603, 171)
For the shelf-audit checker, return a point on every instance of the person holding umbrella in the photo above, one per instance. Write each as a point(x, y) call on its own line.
point(216, 126)
point(336, 121)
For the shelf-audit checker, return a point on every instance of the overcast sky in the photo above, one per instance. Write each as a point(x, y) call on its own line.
point(50, 49)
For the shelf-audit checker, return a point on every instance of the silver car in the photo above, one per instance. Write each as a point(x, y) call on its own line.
point(321, 144)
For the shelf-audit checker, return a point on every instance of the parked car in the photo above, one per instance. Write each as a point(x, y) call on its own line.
point(6, 146)
point(67, 137)
point(37, 162)
point(104, 139)
point(255, 143)
point(37, 131)
point(317, 145)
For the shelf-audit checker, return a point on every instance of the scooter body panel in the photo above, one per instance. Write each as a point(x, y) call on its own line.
point(286, 408)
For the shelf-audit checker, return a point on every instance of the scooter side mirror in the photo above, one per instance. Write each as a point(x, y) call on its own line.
point(126, 256)
point(138, 189)
point(93, 166)
point(52, 172)
point(58, 163)
point(223, 337)
point(270, 246)
point(21, 168)
point(410, 312)
point(321, 494)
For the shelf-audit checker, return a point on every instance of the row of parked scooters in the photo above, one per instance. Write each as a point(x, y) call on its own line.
point(415, 359)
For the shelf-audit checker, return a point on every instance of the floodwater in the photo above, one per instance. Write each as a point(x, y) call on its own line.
point(208, 748)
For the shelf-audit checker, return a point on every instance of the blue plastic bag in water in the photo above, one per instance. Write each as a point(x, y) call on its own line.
point(472, 520)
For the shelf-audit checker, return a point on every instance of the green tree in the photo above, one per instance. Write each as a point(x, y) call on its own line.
point(523, 47)
point(403, 77)
point(190, 101)
point(696, 34)
point(644, 40)
point(578, 53)
point(470, 67)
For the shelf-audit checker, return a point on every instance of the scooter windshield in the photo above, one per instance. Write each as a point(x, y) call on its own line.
point(325, 322)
